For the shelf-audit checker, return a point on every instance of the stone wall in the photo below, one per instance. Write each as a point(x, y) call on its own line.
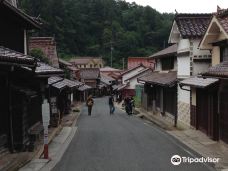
point(184, 113)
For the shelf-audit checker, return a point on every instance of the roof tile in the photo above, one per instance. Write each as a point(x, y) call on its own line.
point(158, 78)
point(192, 25)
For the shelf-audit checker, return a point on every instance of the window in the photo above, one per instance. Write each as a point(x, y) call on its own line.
point(224, 54)
point(167, 63)
point(91, 66)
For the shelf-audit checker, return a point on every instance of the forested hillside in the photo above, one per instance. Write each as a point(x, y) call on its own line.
point(91, 27)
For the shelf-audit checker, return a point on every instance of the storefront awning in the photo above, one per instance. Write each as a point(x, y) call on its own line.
point(53, 80)
point(198, 82)
point(61, 83)
point(84, 87)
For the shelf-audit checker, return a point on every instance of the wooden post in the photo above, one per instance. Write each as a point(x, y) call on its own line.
point(10, 112)
point(162, 101)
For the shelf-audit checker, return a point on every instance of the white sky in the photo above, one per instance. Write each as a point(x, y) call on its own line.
point(183, 6)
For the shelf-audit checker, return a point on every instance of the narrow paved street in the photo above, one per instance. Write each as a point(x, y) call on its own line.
point(118, 142)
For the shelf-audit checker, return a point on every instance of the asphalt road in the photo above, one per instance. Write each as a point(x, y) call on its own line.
point(118, 142)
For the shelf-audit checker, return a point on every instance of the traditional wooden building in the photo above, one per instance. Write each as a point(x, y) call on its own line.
point(132, 82)
point(83, 92)
point(70, 70)
point(160, 86)
point(23, 80)
point(13, 34)
point(87, 62)
point(126, 75)
point(61, 93)
point(187, 32)
point(24, 86)
point(209, 90)
point(13, 31)
point(109, 70)
point(133, 62)
point(105, 87)
point(90, 77)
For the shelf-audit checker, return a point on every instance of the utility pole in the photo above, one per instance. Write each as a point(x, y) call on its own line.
point(111, 53)
point(123, 63)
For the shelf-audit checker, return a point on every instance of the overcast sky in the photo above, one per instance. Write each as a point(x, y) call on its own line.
point(183, 6)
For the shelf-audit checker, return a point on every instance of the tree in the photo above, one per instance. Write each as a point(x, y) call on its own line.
point(38, 53)
point(86, 27)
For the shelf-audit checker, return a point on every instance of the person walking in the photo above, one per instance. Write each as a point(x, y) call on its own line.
point(132, 104)
point(127, 105)
point(89, 104)
point(111, 104)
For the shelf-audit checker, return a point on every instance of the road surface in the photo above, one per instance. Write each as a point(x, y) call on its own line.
point(118, 142)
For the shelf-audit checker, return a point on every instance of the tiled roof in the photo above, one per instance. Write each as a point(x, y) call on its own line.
point(171, 50)
point(72, 83)
point(52, 80)
point(198, 82)
point(115, 75)
point(135, 61)
point(72, 68)
point(89, 73)
point(140, 73)
point(160, 78)
point(29, 21)
point(192, 25)
point(220, 70)
point(222, 17)
point(44, 69)
point(109, 69)
point(106, 79)
point(84, 60)
point(119, 86)
point(61, 61)
point(123, 86)
point(132, 69)
point(27, 62)
point(84, 87)
point(60, 83)
point(16, 58)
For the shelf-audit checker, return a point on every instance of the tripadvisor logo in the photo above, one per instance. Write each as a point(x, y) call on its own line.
point(177, 160)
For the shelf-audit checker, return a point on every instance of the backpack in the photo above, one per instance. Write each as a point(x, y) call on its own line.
point(90, 102)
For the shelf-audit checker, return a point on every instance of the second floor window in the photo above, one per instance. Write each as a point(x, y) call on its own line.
point(167, 63)
point(224, 54)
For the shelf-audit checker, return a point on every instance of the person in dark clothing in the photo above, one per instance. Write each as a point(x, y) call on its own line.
point(90, 103)
point(132, 104)
point(127, 104)
point(111, 104)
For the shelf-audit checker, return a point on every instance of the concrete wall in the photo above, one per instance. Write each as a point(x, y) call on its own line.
point(133, 83)
point(199, 67)
point(183, 66)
